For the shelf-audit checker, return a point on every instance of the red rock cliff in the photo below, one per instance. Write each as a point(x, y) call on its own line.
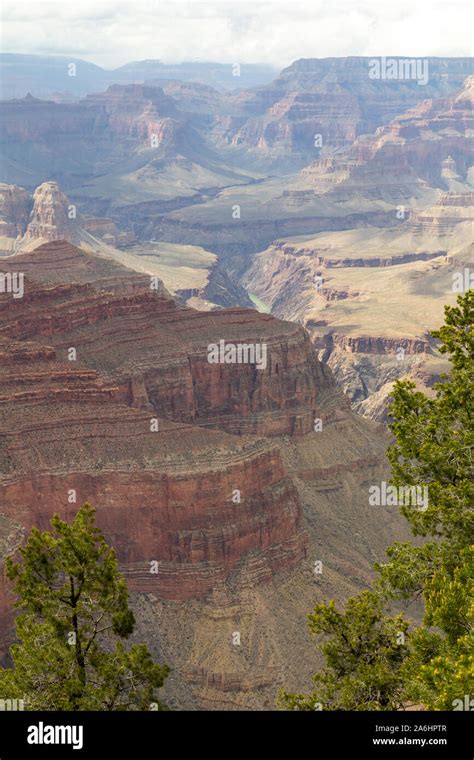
point(200, 503)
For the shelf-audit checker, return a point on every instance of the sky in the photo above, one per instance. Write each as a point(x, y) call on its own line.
point(112, 32)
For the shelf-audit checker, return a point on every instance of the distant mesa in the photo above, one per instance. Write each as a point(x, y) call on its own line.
point(46, 75)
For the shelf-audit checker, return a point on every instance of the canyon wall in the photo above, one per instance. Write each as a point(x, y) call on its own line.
point(86, 425)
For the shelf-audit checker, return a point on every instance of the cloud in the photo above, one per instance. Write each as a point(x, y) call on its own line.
point(112, 32)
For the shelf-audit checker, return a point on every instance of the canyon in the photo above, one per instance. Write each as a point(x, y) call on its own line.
point(398, 200)
point(370, 314)
point(155, 210)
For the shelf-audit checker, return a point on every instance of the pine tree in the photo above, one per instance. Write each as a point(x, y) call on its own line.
point(364, 652)
point(74, 618)
point(435, 448)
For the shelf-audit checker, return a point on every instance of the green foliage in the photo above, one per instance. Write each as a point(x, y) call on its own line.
point(435, 437)
point(74, 614)
point(434, 445)
point(364, 652)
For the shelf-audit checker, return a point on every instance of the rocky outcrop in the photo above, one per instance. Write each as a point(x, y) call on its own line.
point(450, 209)
point(15, 207)
point(107, 230)
point(326, 261)
point(52, 218)
point(27, 222)
point(371, 345)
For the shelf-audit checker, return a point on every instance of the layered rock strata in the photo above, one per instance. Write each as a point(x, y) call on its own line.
point(86, 425)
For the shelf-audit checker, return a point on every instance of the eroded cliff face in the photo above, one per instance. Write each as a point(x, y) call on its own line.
point(138, 112)
point(157, 353)
point(122, 111)
point(164, 498)
point(333, 98)
point(430, 144)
